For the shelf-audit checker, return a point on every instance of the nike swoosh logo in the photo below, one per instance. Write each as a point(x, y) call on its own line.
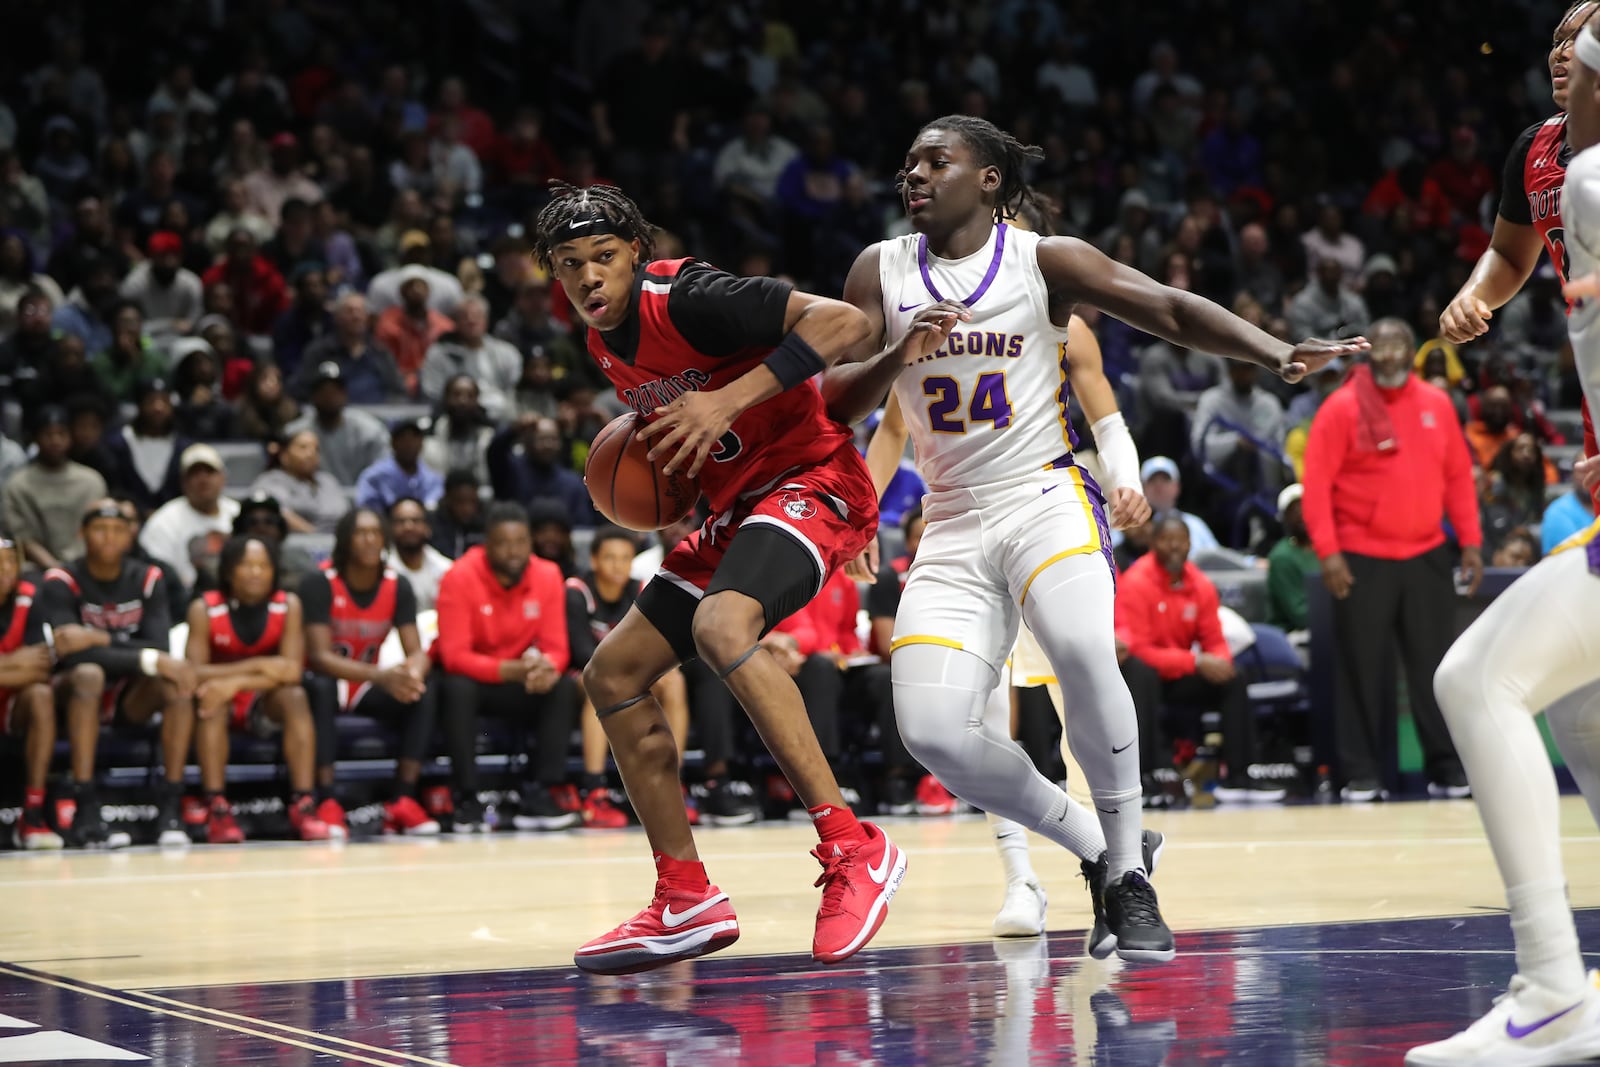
point(880, 874)
point(1109, 811)
point(1517, 1033)
point(1124, 748)
point(909, 307)
point(1046, 489)
point(672, 920)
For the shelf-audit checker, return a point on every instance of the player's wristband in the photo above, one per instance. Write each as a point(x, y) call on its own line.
point(794, 361)
point(1119, 456)
point(50, 642)
point(150, 661)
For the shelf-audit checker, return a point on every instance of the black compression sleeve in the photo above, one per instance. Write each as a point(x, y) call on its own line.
point(1513, 185)
point(720, 314)
point(405, 602)
point(316, 599)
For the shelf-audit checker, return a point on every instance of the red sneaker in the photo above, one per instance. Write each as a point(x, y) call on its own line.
point(600, 814)
point(857, 882)
point(567, 797)
point(405, 816)
point(221, 829)
point(934, 799)
point(331, 812)
point(304, 821)
point(33, 832)
point(676, 926)
point(438, 801)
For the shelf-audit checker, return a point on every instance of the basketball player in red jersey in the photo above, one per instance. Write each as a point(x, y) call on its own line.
point(247, 644)
point(27, 710)
point(722, 367)
point(1530, 213)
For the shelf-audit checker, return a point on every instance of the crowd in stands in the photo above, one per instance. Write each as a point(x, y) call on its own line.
point(270, 225)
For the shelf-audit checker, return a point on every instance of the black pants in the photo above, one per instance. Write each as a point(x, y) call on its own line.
point(711, 708)
point(1412, 602)
point(1039, 731)
point(859, 692)
point(412, 722)
point(549, 717)
point(1152, 695)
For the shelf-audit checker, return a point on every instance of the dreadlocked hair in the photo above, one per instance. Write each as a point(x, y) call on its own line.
point(991, 147)
point(569, 203)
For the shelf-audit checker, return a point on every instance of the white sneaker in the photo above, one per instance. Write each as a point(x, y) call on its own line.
point(1527, 1027)
point(1022, 914)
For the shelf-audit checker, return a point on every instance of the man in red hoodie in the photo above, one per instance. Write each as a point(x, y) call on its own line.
point(1386, 464)
point(1166, 609)
point(503, 648)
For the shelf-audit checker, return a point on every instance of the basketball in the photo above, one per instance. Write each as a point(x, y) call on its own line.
point(626, 487)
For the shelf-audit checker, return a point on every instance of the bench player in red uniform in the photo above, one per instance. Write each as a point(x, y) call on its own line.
point(723, 368)
point(27, 711)
point(350, 608)
point(247, 644)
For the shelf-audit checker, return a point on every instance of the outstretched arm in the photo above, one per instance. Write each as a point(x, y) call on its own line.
point(1119, 457)
point(1078, 271)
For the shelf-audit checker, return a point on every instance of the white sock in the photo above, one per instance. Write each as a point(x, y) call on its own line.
point(1011, 838)
point(1121, 819)
point(1070, 825)
point(1546, 938)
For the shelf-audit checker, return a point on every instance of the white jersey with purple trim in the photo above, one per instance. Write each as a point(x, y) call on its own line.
point(1580, 216)
point(990, 406)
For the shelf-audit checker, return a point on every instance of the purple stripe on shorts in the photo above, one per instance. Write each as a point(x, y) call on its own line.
point(1593, 549)
point(1098, 500)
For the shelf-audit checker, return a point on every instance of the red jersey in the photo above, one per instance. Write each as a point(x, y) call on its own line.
point(693, 328)
point(1538, 167)
point(359, 632)
point(11, 637)
point(226, 644)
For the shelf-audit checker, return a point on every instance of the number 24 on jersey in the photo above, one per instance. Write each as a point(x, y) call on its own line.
point(989, 402)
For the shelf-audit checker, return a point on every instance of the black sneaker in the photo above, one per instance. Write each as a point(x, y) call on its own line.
point(1102, 939)
point(539, 811)
point(1163, 789)
point(1134, 917)
point(170, 832)
point(88, 828)
point(899, 797)
point(1251, 787)
point(727, 803)
point(1450, 785)
point(468, 815)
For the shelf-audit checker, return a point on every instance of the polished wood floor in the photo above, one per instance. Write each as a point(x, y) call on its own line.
point(273, 912)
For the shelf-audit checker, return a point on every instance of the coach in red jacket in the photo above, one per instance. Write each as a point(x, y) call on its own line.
point(1386, 465)
point(503, 648)
point(1167, 618)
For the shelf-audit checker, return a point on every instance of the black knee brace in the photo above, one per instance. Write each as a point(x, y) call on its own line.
point(722, 675)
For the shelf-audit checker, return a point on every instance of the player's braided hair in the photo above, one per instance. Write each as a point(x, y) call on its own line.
point(568, 204)
point(992, 147)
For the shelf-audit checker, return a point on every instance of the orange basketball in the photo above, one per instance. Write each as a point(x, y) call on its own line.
point(626, 487)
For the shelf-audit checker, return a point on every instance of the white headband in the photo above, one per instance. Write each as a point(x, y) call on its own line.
point(1587, 49)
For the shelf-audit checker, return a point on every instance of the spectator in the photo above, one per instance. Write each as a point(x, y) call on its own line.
point(202, 413)
point(28, 352)
point(12, 457)
point(89, 308)
point(400, 474)
point(477, 129)
point(411, 555)
point(366, 367)
point(139, 214)
point(1071, 81)
point(130, 358)
point(350, 609)
point(310, 497)
point(1493, 429)
point(68, 374)
point(1536, 318)
point(25, 693)
point(352, 440)
point(1134, 544)
point(1462, 176)
point(18, 278)
point(1289, 563)
point(525, 463)
point(493, 364)
point(265, 409)
point(551, 528)
point(1167, 608)
point(267, 190)
point(23, 198)
point(1172, 380)
point(236, 214)
point(1328, 307)
point(503, 649)
point(1383, 553)
point(177, 91)
point(188, 532)
point(125, 603)
point(177, 593)
point(748, 167)
point(411, 327)
point(247, 645)
point(145, 452)
point(457, 522)
point(92, 241)
point(1254, 271)
point(1570, 513)
point(296, 244)
point(61, 167)
point(44, 501)
point(86, 422)
point(1225, 410)
point(1303, 409)
point(1330, 241)
point(258, 292)
point(536, 390)
point(1162, 488)
point(530, 327)
point(1518, 549)
point(459, 439)
point(523, 158)
point(168, 296)
point(1515, 494)
point(415, 250)
point(456, 170)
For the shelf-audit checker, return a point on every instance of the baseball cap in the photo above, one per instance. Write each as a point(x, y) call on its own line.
point(419, 423)
point(284, 140)
point(1290, 494)
point(102, 509)
point(327, 371)
point(1135, 198)
point(147, 386)
point(259, 501)
point(50, 415)
point(414, 239)
point(201, 455)
point(1158, 465)
point(165, 241)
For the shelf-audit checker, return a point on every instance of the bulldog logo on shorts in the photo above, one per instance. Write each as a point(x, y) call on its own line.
point(797, 507)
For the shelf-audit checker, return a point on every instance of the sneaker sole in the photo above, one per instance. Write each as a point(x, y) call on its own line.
point(932, 810)
point(742, 819)
point(469, 828)
point(875, 915)
point(1147, 955)
point(41, 844)
point(1249, 796)
point(546, 822)
point(174, 839)
point(638, 954)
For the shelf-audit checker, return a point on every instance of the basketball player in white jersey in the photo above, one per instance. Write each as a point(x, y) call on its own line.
point(975, 318)
point(1538, 642)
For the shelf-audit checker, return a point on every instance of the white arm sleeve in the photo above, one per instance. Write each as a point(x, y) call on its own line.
point(1119, 458)
point(1580, 216)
